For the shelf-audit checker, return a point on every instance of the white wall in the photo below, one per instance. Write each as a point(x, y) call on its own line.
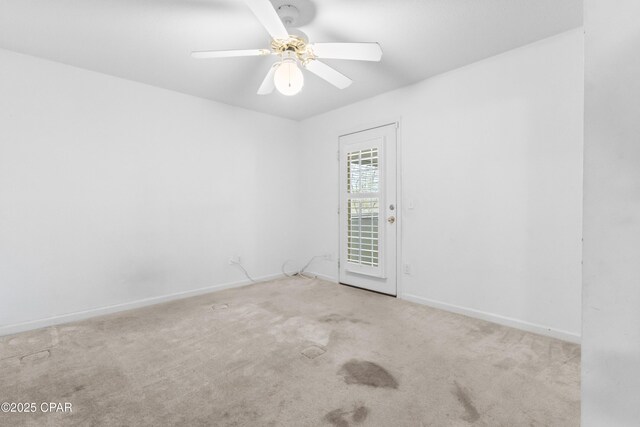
point(492, 160)
point(611, 305)
point(113, 192)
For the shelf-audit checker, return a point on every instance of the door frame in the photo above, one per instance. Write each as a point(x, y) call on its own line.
point(399, 194)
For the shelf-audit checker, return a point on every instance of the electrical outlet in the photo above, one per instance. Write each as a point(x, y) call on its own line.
point(234, 259)
point(406, 269)
point(327, 257)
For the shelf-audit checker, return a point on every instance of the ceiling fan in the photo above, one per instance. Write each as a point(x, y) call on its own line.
point(293, 49)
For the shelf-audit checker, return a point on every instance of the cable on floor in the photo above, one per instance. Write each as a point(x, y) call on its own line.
point(244, 270)
point(313, 258)
point(284, 264)
point(301, 272)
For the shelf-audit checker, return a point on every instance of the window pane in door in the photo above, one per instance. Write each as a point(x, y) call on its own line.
point(363, 174)
point(362, 231)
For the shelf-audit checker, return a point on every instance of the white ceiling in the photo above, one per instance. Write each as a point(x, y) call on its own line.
point(150, 41)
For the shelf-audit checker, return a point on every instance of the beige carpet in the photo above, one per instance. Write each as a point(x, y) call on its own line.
point(291, 352)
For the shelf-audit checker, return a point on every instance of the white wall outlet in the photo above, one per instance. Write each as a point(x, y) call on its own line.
point(234, 259)
point(406, 268)
point(327, 257)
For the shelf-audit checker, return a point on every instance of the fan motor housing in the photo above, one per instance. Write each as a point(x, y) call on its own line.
point(294, 44)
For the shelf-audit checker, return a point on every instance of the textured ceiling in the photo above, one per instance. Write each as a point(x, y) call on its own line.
point(150, 41)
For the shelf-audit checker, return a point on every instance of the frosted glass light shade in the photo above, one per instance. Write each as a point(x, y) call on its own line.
point(288, 77)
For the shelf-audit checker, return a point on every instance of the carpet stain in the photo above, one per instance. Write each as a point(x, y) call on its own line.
point(313, 351)
point(472, 414)
point(337, 418)
point(339, 318)
point(484, 329)
point(360, 414)
point(506, 364)
point(367, 373)
point(340, 417)
point(76, 389)
point(35, 356)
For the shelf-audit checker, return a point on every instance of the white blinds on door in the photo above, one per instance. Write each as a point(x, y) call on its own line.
point(363, 205)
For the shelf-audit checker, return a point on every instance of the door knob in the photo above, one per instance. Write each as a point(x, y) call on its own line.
point(391, 219)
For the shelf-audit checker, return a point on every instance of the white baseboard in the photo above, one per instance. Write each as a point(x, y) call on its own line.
point(100, 311)
point(322, 276)
point(496, 318)
point(477, 314)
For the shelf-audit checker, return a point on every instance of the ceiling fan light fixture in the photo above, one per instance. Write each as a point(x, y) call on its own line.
point(292, 45)
point(288, 77)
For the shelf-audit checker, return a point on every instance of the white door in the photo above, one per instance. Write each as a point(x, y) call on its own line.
point(368, 209)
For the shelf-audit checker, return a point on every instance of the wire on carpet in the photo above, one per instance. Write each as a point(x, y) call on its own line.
point(301, 272)
point(244, 270)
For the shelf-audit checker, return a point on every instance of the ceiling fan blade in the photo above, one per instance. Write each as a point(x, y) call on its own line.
point(354, 51)
point(268, 84)
point(334, 77)
point(229, 53)
point(268, 17)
